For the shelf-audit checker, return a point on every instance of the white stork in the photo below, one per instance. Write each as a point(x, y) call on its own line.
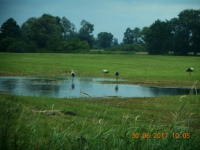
point(105, 71)
point(73, 75)
point(190, 70)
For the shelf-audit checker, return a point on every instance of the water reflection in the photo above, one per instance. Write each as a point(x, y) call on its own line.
point(116, 88)
point(73, 86)
point(64, 87)
point(9, 85)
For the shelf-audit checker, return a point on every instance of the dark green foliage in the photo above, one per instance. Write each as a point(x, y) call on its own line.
point(10, 29)
point(128, 36)
point(43, 31)
point(32, 47)
point(85, 32)
point(9, 44)
point(18, 46)
point(115, 42)
point(131, 36)
point(180, 35)
point(5, 43)
point(157, 38)
point(104, 39)
point(68, 29)
point(76, 45)
point(130, 48)
point(72, 46)
point(187, 32)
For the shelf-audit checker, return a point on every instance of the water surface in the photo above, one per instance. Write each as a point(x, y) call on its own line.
point(63, 87)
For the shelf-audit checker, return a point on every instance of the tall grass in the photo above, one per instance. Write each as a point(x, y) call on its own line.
point(48, 123)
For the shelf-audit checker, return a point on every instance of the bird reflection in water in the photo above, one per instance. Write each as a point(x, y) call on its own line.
point(73, 86)
point(116, 88)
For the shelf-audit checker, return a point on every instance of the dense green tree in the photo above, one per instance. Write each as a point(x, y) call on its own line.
point(58, 22)
point(68, 29)
point(5, 43)
point(131, 48)
point(10, 28)
point(104, 39)
point(128, 47)
point(136, 32)
point(180, 39)
point(9, 44)
point(53, 34)
point(18, 46)
point(32, 47)
point(115, 42)
point(76, 45)
point(187, 31)
point(131, 36)
point(157, 37)
point(180, 35)
point(143, 34)
point(128, 36)
point(44, 30)
point(85, 32)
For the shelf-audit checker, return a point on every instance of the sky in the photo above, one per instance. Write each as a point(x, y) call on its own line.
point(113, 16)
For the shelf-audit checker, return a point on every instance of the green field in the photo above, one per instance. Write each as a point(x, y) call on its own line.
point(156, 123)
point(144, 69)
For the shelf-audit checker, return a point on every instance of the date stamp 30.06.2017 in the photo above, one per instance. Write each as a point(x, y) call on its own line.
point(159, 135)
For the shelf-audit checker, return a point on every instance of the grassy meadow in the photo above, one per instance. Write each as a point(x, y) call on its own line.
point(143, 69)
point(156, 123)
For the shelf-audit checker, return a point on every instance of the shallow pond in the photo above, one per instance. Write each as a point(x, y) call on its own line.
point(64, 87)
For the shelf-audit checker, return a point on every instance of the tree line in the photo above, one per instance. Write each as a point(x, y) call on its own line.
point(48, 33)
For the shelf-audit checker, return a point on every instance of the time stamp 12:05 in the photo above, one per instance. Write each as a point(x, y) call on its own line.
point(160, 135)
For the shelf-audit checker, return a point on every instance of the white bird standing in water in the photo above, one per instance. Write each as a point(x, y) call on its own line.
point(190, 70)
point(73, 75)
